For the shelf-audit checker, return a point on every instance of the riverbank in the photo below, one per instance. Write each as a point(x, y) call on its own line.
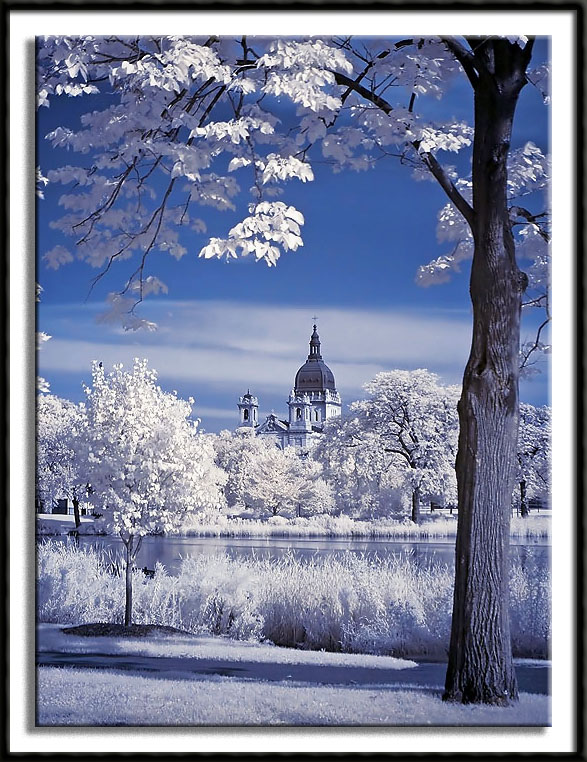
point(215, 681)
point(392, 605)
point(433, 526)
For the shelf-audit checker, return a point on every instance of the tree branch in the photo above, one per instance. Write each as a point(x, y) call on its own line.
point(532, 219)
point(449, 188)
point(438, 172)
point(536, 345)
point(368, 95)
point(464, 57)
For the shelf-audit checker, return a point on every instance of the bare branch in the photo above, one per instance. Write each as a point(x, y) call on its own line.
point(535, 346)
point(534, 219)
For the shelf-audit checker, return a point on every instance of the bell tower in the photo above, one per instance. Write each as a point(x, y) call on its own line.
point(248, 406)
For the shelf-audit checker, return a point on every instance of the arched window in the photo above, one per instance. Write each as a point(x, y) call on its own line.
point(245, 414)
point(298, 414)
point(315, 415)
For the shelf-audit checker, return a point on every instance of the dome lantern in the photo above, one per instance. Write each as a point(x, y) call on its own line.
point(314, 375)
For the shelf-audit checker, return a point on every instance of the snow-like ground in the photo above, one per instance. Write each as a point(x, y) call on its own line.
point(51, 638)
point(192, 680)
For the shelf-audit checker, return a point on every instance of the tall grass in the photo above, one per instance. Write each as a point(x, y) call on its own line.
point(432, 526)
point(345, 603)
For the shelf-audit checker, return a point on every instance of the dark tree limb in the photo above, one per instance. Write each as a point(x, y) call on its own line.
point(464, 57)
point(431, 162)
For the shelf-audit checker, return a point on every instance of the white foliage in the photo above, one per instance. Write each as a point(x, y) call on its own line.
point(41, 181)
point(60, 471)
point(271, 223)
point(146, 463)
point(196, 109)
point(268, 481)
point(43, 386)
point(402, 438)
point(41, 337)
point(414, 421)
point(540, 77)
point(529, 174)
point(534, 454)
point(519, 40)
point(57, 256)
point(121, 312)
point(529, 170)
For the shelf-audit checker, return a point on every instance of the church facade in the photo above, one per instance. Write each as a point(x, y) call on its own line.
point(312, 401)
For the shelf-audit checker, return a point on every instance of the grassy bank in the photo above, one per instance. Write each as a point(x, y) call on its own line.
point(352, 604)
point(433, 526)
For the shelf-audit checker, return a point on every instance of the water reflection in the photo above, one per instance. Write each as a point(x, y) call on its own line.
point(170, 550)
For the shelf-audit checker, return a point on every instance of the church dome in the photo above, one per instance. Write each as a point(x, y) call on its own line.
point(314, 375)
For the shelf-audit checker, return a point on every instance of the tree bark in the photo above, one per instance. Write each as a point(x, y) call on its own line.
point(416, 505)
point(128, 581)
point(480, 667)
point(76, 515)
point(523, 500)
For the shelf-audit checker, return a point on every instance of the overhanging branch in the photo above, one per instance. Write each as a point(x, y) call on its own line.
point(431, 162)
point(464, 57)
point(449, 188)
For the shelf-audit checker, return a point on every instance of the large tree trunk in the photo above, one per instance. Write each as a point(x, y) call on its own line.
point(480, 667)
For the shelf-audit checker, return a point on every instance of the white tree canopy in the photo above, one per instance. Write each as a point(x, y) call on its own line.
point(535, 450)
point(60, 469)
point(268, 481)
point(192, 122)
point(147, 465)
point(414, 420)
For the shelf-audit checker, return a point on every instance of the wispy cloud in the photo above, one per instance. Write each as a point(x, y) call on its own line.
point(261, 346)
point(215, 350)
point(216, 413)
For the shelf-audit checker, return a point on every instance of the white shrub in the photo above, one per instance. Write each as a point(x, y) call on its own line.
point(350, 602)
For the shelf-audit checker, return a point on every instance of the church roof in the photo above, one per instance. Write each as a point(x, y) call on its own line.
point(272, 424)
point(314, 375)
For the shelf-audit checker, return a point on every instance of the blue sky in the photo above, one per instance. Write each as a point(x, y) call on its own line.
point(225, 327)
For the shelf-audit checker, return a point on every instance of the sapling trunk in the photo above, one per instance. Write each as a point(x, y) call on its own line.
point(416, 505)
point(132, 545)
point(76, 515)
point(128, 582)
point(524, 511)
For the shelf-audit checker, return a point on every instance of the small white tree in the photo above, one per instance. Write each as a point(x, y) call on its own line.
point(235, 452)
point(147, 465)
point(415, 420)
point(268, 480)
point(363, 476)
point(275, 482)
point(534, 454)
point(60, 471)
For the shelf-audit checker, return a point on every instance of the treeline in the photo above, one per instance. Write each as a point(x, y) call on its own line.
point(134, 453)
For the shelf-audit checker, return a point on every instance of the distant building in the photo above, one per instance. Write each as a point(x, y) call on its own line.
point(312, 401)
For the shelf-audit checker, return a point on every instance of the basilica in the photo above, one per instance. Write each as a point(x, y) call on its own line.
point(312, 401)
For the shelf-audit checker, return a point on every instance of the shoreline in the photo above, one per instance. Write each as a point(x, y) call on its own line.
point(537, 526)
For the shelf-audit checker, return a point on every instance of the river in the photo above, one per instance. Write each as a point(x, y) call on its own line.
point(170, 550)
